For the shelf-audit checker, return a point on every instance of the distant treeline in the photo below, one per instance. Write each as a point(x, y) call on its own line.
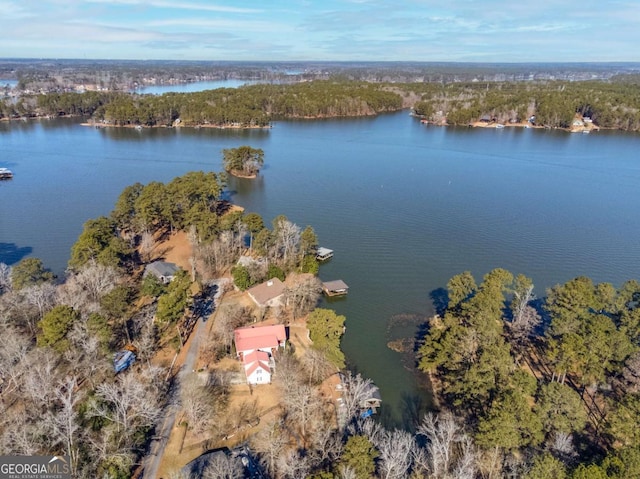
point(554, 104)
point(248, 106)
point(611, 104)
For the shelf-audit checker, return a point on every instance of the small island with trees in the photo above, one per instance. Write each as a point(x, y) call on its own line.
point(243, 162)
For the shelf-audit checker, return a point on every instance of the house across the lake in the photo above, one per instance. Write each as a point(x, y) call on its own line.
point(162, 270)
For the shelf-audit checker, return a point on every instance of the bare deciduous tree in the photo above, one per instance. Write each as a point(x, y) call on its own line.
point(356, 390)
point(23, 436)
point(228, 319)
point(326, 446)
point(39, 371)
point(317, 366)
point(13, 350)
point(42, 296)
point(287, 240)
point(126, 403)
point(443, 433)
point(525, 317)
point(84, 289)
point(304, 406)
point(396, 454)
point(450, 452)
point(214, 257)
point(466, 465)
point(222, 466)
point(108, 447)
point(347, 472)
point(293, 465)
point(63, 420)
point(146, 341)
point(147, 244)
point(269, 443)
point(72, 293)
point(631, 374)
point(5, 278)
point(22, 307)
point(563, 447)
point(196, 403)
point(97, 279)
point(366, 427)
point(303, 296)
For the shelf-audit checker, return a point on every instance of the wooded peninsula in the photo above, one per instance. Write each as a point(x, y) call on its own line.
point(614, 103)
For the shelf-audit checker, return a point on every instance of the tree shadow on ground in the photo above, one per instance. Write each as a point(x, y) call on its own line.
point(10, 253)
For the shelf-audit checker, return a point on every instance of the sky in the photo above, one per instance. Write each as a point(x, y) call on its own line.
point(324, 30)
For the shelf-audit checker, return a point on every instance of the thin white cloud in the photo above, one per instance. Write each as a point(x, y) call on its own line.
point(240, 25)
point(208, 7)
point(14, 10)
point(546, 27)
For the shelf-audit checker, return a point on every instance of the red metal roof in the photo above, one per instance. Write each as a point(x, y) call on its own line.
point(260, 337)
point(255, 360)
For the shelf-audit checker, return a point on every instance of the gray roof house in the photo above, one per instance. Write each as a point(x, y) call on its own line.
point(162, 270)
point(268, 293)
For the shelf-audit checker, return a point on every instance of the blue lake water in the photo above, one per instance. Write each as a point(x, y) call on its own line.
point(192, 87)
point(405, 206)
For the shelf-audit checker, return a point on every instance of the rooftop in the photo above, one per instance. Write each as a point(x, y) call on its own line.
point(255, 360)
point(335, 285)
point(265, 292)
point(252, 338)
point(161, 268)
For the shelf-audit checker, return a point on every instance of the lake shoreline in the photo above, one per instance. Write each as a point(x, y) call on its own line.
point(196, 127)
point(475, 124)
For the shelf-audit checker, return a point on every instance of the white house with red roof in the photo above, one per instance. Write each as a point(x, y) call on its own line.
point(256, 367)
point(255, 347)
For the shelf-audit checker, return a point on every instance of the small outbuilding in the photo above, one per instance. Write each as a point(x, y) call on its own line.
point(162, 270)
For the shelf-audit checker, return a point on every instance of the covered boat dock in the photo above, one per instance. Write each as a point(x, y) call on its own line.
point(335, 288)
point(324, 254)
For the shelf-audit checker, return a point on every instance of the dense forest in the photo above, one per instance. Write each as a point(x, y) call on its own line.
point(59, 75)
point(552, 382)
point(554, 104)
point(613, 104)
point(253, 105)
